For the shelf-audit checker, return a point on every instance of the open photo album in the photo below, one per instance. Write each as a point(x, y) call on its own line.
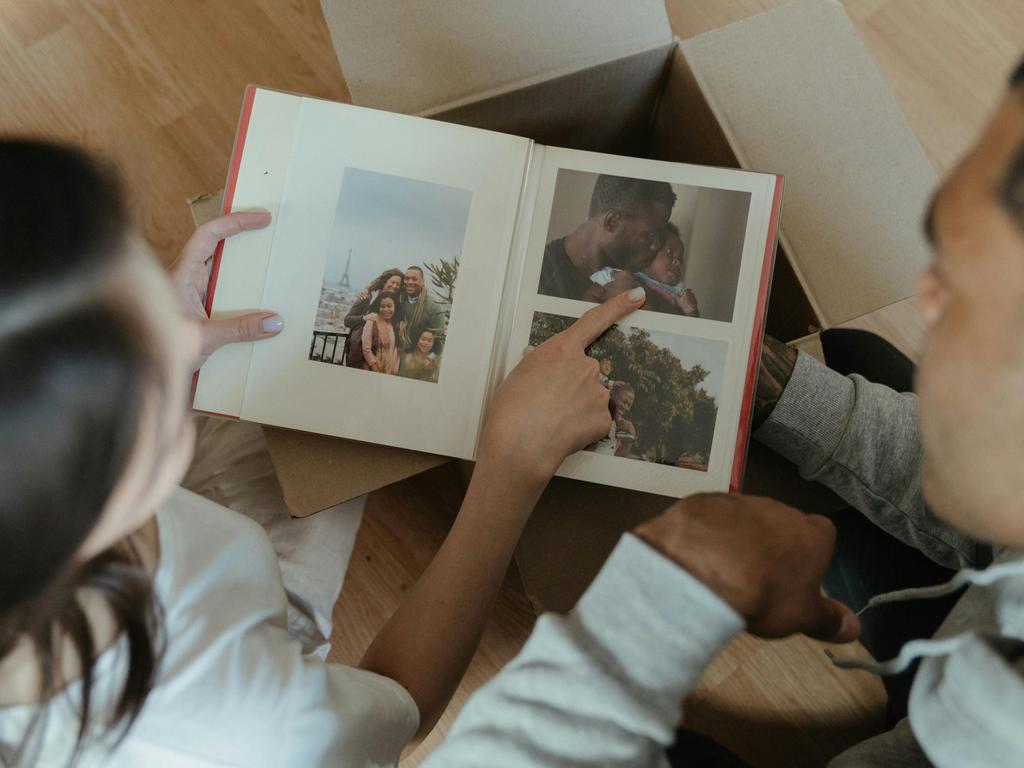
point(415, 261)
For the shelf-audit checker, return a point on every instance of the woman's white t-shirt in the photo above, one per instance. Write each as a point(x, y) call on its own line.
point(233, 687)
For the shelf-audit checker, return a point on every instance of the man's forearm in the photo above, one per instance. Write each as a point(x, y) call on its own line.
point(429, 641)
point(603, 685)
point(777, 363)
point(862, 441)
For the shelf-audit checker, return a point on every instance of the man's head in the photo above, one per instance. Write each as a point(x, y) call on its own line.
point(606, 366)
point(631, 215)
point(413, 281)
point(971, 376)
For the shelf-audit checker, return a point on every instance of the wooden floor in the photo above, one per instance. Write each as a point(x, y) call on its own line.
point(155, 86)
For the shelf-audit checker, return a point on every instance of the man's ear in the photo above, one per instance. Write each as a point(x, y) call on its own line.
point(611, 220)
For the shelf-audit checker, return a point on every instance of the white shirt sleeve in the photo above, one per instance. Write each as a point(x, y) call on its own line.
point(233, 687)
point(604, 685)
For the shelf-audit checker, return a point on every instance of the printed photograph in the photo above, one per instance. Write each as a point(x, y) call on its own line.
point(682, 244)
point(389, 278)
point(663, 391)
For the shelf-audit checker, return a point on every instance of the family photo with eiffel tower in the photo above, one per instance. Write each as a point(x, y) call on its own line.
point(389, 277)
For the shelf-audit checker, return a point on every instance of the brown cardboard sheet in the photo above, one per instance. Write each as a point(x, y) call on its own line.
point(319, 471)
point(795, 91)
point(576, 525)
point(605, 108)
point(426, 56)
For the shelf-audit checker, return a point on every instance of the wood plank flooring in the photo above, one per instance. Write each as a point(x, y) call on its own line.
point(155, 87)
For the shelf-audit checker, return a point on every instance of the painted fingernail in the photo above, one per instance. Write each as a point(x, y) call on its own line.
point(636, 294)
point(273, 324)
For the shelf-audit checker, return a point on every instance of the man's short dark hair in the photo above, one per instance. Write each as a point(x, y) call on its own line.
point(617, 193)
point(418, 269)
point(1017, 78)
point(1011, 190)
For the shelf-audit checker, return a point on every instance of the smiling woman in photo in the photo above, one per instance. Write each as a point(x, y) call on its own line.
point(367, 302)
point(380, 337)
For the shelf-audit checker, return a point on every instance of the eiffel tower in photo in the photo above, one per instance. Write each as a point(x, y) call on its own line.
point(344, 278)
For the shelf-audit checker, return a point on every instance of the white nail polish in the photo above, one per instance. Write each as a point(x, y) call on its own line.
point(273, 324)
point(636, 294)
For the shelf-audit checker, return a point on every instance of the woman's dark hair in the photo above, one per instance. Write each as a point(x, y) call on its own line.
point(71, 399)
point(387, 274)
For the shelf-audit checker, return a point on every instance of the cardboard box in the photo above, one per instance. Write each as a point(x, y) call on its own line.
point(791, 91)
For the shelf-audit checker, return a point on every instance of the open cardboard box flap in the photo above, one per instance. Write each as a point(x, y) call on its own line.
point(791, 91)
point(427, 57)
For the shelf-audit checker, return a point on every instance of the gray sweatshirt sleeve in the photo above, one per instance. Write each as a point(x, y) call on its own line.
point(862, 441)
point(604, 685)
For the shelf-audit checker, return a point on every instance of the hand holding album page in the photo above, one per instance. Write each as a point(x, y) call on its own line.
point(413, 261)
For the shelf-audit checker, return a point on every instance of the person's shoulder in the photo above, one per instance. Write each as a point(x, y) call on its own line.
point(555, 249)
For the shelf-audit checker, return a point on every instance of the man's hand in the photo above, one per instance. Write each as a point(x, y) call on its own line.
point(763, 558)
point(191, 276)
point(552, 404)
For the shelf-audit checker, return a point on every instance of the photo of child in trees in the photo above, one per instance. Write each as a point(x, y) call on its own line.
point(663, 391)
point(389, 278)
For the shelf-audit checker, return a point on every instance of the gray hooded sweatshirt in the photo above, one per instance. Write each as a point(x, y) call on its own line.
point(603, 685)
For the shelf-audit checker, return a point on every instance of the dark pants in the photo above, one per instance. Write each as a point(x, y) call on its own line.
point(867, 561)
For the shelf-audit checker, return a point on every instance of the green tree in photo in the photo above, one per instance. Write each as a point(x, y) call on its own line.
point(673, 415)
point(442, 276)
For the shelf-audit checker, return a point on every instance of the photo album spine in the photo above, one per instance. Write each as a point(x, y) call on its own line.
point(256, 179)
point(757, 339)
point(512, 284)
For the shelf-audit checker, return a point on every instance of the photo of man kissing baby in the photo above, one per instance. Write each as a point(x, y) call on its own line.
point(608, 234)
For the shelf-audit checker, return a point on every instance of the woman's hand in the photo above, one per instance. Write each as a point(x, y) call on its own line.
point(191, 276)
point(548, 407)
point(552, 404)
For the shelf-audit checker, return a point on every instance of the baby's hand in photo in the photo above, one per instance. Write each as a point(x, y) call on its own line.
point(552, 403)
point(687, 302)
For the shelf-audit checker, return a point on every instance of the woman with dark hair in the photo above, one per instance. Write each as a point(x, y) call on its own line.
point(379, 337)
point(367, 302)
point(141, 624)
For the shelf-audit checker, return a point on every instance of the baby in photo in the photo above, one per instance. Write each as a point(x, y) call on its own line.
point(661, 279)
